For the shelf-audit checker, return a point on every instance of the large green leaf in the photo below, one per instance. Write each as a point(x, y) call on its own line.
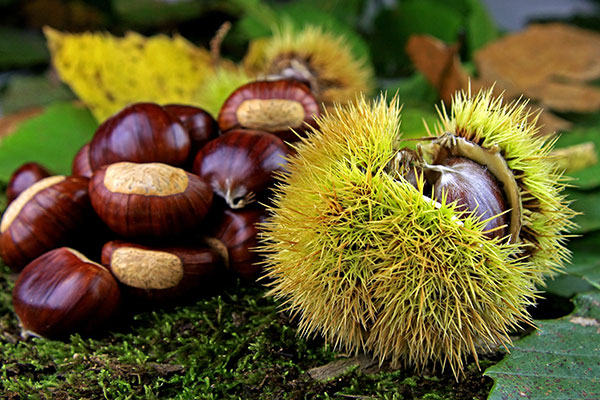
point(561, 360)
point(52, 139)
point(20, 48)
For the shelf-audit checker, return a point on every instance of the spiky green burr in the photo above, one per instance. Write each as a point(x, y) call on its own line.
point(372, 263)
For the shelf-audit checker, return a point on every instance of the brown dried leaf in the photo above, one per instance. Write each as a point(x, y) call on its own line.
point(439, 63)
point(549, 63)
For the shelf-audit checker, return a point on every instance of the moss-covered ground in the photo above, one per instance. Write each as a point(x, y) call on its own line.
point(232, 343)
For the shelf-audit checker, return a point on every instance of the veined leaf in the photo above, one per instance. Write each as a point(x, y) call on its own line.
point(107, 73)
point(561, 360)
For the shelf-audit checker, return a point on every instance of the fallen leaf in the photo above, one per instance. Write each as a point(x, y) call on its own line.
point(107, 72)
point(550, 63)
point(439, 63)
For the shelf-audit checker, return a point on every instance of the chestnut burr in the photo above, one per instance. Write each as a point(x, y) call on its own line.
point(142, 133)
point(149, 199)
point(272, 106)
point(49, 214)
point(62, 292)
point(240, 164)
point(23, 177)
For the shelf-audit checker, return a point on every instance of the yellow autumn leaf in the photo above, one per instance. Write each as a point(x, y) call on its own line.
point(108, 72)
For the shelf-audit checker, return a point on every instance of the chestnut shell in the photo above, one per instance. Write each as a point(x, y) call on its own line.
point(240, 163)
point(141, 132)
point(199, 264)
point(476, 191)
point(149, 215)
point(23, 177)
point(61, 292)
point(54, 216)
point(81, 162)
point(199, 124)
point(289, 90)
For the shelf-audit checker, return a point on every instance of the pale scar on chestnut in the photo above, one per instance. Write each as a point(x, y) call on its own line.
point(84, 258)
point(150, 179)
point(270, 114)
point(146, 269)
point(17, 205)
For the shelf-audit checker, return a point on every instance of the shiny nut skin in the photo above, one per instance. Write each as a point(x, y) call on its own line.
point(141, 132)
point(148, 200)
point(272, 106)
point(160, 272)
point(81, 162)
point(62, 292)
point(25, 176)
point(238, 230)
point(199, 124)
point(51, 213)
point(475, 190)
point(240, 164)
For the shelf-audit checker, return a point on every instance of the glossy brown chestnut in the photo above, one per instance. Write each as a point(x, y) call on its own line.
point(142, 133)
point(161, 273)
point(475, 190)
point(25, 176)
point(199, 124)
point(50, 213)
point(240, 164)
point(238, 230)
point(81, 162)
point(271, 106)
point(151, 199)
point(62, 292)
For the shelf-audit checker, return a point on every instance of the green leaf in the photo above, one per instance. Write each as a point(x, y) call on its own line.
point(412, 91)
point(589, 177)
point(481, 28)
point(52, 139)
point(561, 360)
point(585, 203)
point(393, 26)
point(19, 48)
point(29, 91)
point(583, 272)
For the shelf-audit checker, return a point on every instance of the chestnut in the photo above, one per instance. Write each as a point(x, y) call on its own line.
point(474, 189)
point(272, 106)
point(23, 177)
point(199, 124)
point(62, 292)
point(160, 273)
point(237, 230)
point(50, 213)
point(150, 199)
point(141, 132)
point(81, 162)
point(240, 164)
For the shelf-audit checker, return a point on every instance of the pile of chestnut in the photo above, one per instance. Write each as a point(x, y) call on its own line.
point(161, 200)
